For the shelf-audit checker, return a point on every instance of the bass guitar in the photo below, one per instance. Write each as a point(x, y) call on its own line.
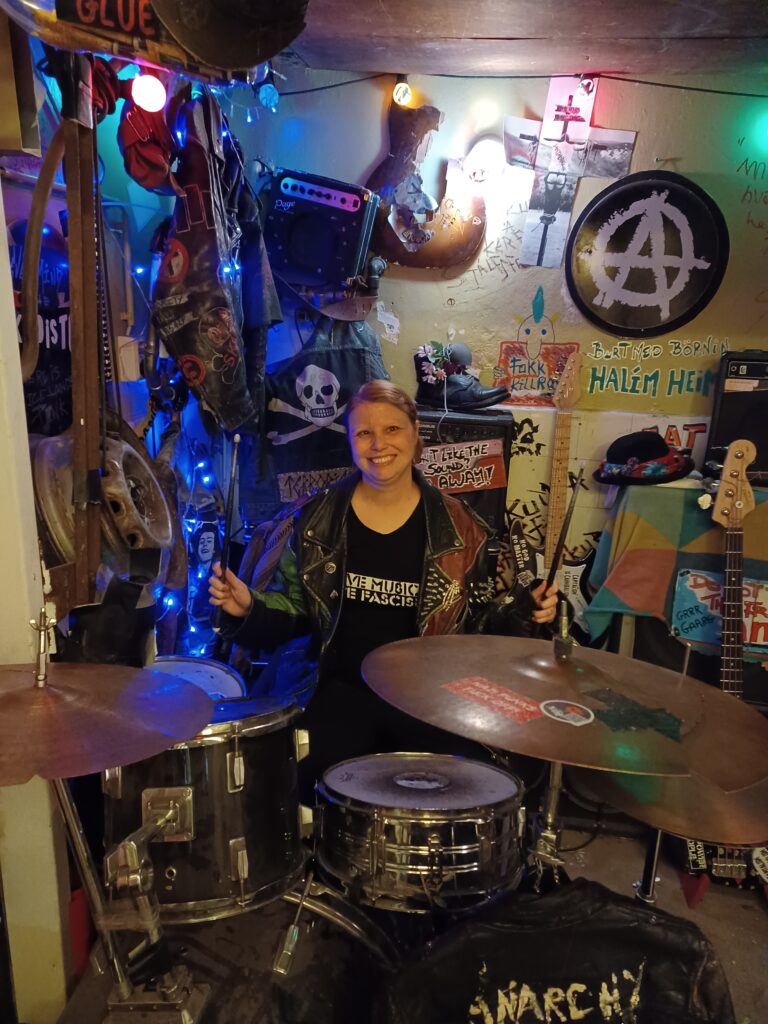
point(734, 502)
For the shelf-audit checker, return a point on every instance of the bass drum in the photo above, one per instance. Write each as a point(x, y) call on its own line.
point(408, 831)
point(236, 843)
point(220, 682)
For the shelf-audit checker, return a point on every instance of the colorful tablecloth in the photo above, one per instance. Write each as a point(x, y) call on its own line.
point(654, 535)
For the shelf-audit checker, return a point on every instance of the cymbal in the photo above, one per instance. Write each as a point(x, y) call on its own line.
point(90, 717)
point(627, 716)
point(692, 807)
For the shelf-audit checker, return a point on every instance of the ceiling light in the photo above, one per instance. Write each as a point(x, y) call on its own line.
point(401, 93)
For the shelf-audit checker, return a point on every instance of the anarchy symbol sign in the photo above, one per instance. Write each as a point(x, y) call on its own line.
point(647, 255)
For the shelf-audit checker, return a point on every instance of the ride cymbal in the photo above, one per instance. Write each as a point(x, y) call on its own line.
point(90, 717)
point(692, 807)
point(596, 710)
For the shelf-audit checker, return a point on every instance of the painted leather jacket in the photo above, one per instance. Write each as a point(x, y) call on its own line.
point(306, 593)
point(581, 952)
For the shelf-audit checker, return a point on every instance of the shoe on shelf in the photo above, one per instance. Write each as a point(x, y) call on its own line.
point(443, 383)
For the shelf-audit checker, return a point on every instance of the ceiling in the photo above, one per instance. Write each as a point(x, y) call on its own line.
point(508, 37)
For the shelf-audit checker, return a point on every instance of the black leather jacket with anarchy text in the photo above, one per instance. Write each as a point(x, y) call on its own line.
point(580, 953)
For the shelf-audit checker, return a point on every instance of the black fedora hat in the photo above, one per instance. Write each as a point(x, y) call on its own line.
point(643, 457)
point(232, 34)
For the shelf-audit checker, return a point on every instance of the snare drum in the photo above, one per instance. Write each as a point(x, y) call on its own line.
point(236, 843)
point(220, 682)
point(409, 830)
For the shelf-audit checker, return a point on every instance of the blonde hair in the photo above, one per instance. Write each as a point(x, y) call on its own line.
point(386, 391)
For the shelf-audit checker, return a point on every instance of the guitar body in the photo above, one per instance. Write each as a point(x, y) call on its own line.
point(732, 865)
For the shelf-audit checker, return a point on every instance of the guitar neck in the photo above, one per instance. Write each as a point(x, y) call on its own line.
point(731, 668)
point(558, 487)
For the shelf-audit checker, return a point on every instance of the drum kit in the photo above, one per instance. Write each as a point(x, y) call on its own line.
point(202, 814)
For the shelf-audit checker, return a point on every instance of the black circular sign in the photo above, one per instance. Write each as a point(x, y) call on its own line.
point(646, 255)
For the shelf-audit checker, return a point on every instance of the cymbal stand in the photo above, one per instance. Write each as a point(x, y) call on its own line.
point(545, 850)
point(175, 1000)
point(645, 889)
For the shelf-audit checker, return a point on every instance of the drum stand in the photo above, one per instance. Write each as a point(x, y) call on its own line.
point(172, 998)
point(645, 889)
point(545, 850)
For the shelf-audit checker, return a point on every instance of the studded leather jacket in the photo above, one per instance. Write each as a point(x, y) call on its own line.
point(306, 592)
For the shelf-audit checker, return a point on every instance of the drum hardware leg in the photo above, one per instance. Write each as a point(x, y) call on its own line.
point(332, 906)
point(172, 998)
point(545, 850)
point(645, 889)
point(89, 878)
point(284, 959)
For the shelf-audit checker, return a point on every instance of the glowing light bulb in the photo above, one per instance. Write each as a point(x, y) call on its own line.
point(148, 93)
point(402, 94)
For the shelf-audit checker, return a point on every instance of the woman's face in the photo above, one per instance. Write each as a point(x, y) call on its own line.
point(383, 442)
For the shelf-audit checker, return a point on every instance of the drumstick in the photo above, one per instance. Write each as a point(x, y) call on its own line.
point(230, 507)
point(564, 531)
point(227, 525)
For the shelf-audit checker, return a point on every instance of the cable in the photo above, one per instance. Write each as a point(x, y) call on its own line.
point(334, 85)
point(613, 78)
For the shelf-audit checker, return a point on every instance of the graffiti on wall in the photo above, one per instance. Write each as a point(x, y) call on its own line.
point(531, 364)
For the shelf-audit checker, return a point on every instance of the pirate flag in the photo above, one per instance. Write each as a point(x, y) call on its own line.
point(305, 443)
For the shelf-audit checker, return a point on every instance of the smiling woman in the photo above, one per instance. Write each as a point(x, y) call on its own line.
point(382, 556)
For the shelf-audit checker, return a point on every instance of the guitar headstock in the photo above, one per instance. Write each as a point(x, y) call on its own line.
point(568, 390)
point(735, 499)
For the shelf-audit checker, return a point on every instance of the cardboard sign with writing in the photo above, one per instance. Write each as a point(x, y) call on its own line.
point(124, 17)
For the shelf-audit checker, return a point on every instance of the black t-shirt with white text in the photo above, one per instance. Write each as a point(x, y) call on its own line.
point(381, 591)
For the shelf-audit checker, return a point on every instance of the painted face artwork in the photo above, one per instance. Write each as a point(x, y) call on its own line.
point(383, 442)
point(206, 546)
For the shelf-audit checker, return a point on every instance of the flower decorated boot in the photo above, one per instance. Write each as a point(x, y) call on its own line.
point(444, 381)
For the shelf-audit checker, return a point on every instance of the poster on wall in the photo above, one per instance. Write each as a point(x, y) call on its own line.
point(48, 393)
point(465, 467)
point(530, 364)
point(521, 141)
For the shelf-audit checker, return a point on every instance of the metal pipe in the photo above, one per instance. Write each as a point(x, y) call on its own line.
point(89, 878)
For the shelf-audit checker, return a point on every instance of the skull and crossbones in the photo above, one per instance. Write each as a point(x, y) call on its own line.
point(318, 391)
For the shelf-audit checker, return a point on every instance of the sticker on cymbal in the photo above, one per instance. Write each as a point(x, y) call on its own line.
point(567, 711)
point(514, 706)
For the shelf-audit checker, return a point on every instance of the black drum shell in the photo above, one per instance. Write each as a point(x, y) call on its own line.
point(193, 878)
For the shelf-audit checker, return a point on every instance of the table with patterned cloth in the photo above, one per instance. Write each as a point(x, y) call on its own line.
point(661, 555)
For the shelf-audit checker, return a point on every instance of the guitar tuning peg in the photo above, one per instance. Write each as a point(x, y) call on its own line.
point(704, 501)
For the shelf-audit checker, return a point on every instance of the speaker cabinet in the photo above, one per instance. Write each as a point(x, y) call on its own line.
point(741, 409)
point(317, 230)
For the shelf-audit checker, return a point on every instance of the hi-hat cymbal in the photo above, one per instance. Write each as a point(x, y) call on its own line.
point(692, 807)
point(90, 717)
point(625, 715)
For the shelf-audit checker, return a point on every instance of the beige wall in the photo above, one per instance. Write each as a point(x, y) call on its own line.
point(341, 133)
point(33, 866)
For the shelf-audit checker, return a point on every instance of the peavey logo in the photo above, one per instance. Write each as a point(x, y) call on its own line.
point(615, 1000)
point(284, 204)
